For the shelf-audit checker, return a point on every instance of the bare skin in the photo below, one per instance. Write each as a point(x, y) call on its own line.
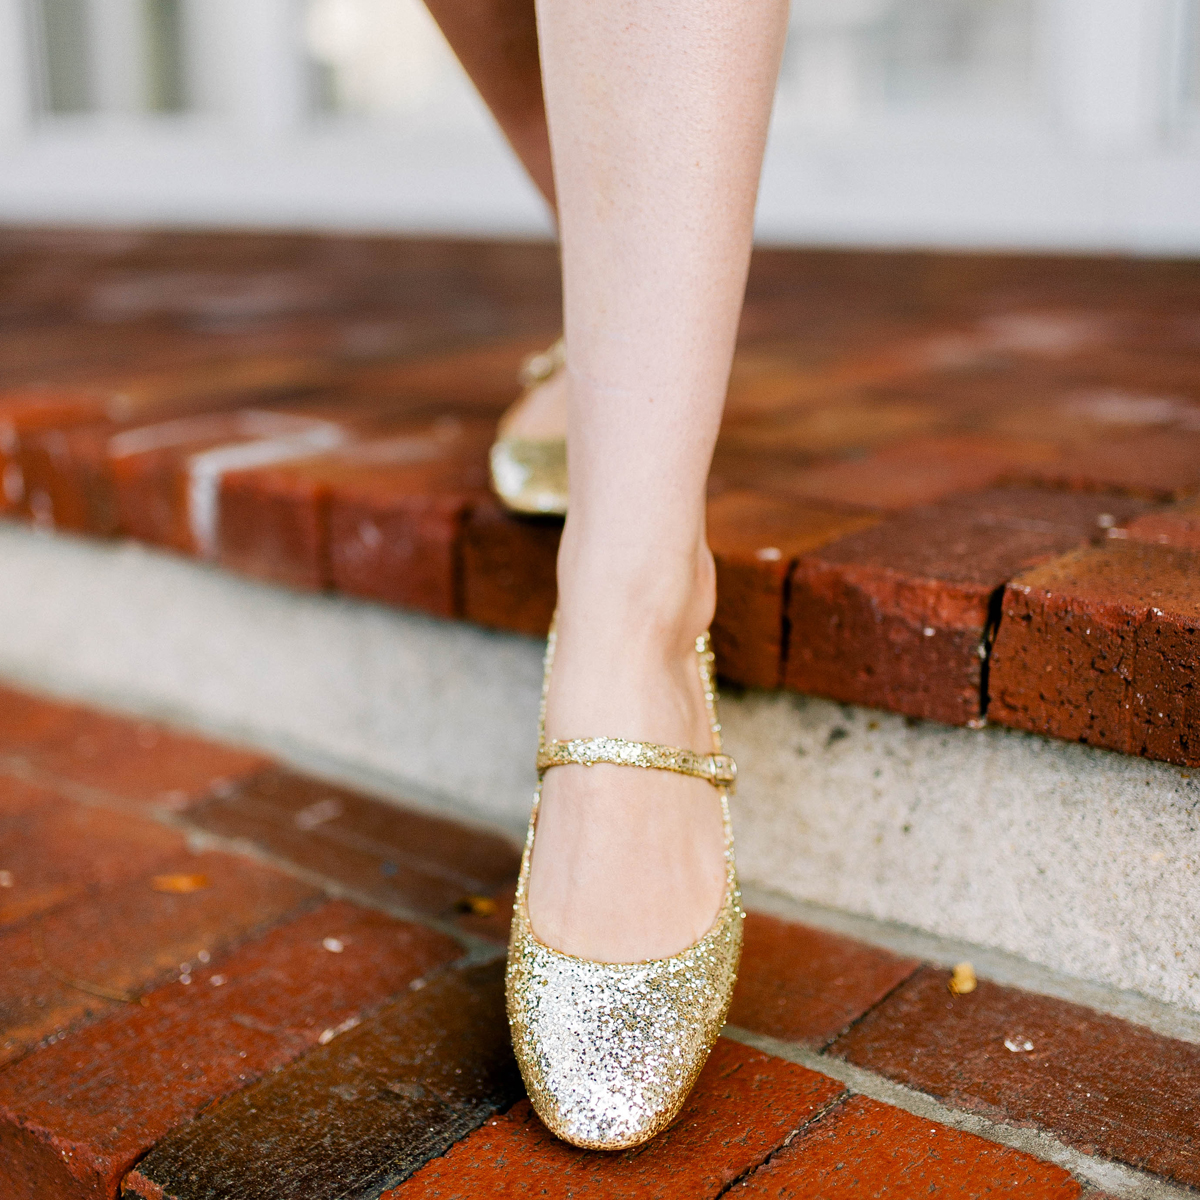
point(496, 42)
point(658, 114)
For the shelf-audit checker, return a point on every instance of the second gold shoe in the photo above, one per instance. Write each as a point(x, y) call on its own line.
point(610, 1051)
point(530, 474)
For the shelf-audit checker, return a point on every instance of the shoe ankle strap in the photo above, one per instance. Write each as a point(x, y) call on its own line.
point(718, 769)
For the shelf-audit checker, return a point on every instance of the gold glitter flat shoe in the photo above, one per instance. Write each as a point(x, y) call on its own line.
point(530, 474)
point(610, 1051)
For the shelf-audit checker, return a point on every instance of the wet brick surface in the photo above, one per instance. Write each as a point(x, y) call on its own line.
point(865, 1150)
point(1095, 1081)
point(744, 1105)
point(395, 855)
point(805, 985)
point(360, 1113)
point(75, 1116)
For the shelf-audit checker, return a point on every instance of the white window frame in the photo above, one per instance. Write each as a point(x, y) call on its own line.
point(1116, 166)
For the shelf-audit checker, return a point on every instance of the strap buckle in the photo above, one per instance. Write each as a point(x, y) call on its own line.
point(723, 770)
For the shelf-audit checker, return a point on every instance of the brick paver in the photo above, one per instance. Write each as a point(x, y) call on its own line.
point(136, 761)
point(126, 936)
point(509, 569)
point(755, 539)
point(865, 1150)
point(392, 854)
point(75, 1116)
point(1177, 525)
point(379, 519)
point(1097, 1082)
point(896, 616)
point(54, 850)
point(745, 1104)
point(806, 985)
point(364, 1111)
point(865, 381)
point(1103, 646)
point(251, 1077)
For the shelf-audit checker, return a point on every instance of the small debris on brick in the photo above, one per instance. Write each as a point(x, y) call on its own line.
point(317, 814)
point(962, 979)
point(6, 879)
point(1018, 1045)
point(477, 906)
point(333, 945)
point(217, 980)
point(179, 885)
point(329, 1034)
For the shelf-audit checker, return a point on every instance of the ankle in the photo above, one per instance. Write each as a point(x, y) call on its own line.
point(645, 596)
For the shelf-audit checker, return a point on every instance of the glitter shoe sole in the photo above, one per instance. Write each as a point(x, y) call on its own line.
point(610, 1051)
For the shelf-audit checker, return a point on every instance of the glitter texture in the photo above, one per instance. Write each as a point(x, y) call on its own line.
point(610, 1051)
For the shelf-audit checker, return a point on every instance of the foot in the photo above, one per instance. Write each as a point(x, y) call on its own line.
point(628, 864)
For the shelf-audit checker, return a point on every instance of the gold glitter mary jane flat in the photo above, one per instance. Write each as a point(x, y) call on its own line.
point(610, 1051)
point(530, 474)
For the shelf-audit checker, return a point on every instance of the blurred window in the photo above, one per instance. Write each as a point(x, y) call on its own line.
point(852, 59)
point(383, 59)
point(1191, 67)
point(107, 56)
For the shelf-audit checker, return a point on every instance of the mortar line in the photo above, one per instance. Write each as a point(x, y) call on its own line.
point(830, 1106)
point(1118, 1179)
point(477, 950)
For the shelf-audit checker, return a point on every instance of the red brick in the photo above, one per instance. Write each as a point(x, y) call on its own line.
point(130, 759)
point(393, 854)
point(74, 1117)
point(125, 937)
point(356, 1115)
point(823, 419)
point(62, 448)
point(396, 532)
point(755, 539)
point(921, 471)
point(54, 849)
point(1156, 464)
point(1097, 1082)
point(483, 378)
point(154, 485)
point(897, 616)
point(509, 566)
point(23, 412)
point(1177, 526)
point(744, 1106)
point(380, 519)
point(67, 482)
point(805, 985)
point(1103, 646)
point(866, 1149)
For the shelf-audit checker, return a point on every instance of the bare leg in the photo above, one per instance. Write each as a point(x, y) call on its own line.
point(658, 112)
point(496, 42)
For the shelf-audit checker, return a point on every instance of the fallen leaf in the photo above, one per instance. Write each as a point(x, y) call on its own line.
point(179, 885)
point(962, 979)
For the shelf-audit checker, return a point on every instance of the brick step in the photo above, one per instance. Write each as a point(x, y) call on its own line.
point(323, 1048)
point(284, 453)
